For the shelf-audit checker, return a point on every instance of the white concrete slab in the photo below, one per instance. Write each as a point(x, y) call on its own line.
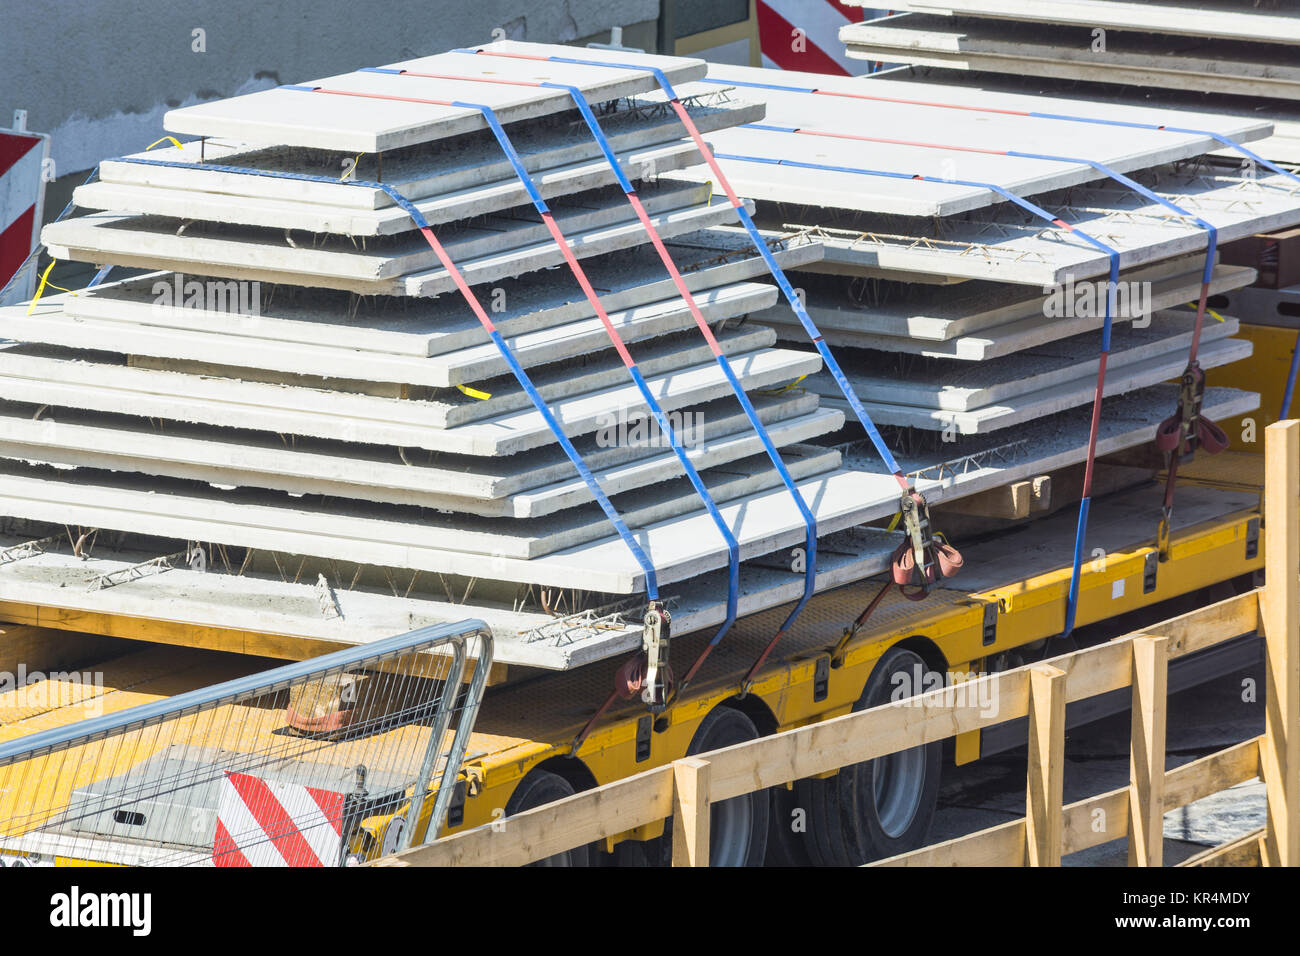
point(542, 501)
point(995, 341)
point(505, 425)
point(679, 548)
point(937, 313)
point(1237, 19)
point(230, 458)
point(447, 167)
point(494, 247)
point(390, 220)
point(975, 463)
point(276, 607)
point(520, 539)
point(625, 280)
point(1002, 244)
point(1241, 68)
point(909, 122)
point(149, 331)
point(295, 118)
point(929, 120)
point(946, 385)
point(1080, 97)
point(216, 601)
point(1031, 406)
point(981, 136)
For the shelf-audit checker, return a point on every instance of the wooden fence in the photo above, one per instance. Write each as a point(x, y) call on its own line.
point(685, 789)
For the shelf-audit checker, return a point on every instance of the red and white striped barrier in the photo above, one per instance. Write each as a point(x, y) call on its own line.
point(269, 823)
point(804, 35)
point(22, 200)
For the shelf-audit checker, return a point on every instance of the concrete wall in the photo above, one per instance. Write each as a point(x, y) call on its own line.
point(99, 74)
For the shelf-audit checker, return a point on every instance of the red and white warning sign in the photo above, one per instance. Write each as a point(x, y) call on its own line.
point(269, 823)
point(22, 199)
point(804, 35)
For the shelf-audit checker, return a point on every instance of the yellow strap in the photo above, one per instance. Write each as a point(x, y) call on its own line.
point(898, 516)
point(781, 388)
point(1208, 311)
point(475, 393)
point(40, 289)
point(45, 276)
point(353, 168)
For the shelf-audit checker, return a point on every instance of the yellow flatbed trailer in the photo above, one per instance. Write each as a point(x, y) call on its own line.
point(1009, 600)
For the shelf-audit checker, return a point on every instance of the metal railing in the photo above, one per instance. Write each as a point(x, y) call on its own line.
point(325, 761)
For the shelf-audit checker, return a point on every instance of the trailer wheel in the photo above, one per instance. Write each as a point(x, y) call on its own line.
point(887, 805)
point(737, 827)
point(540, 787)
point(787, 835)
point(867, 811)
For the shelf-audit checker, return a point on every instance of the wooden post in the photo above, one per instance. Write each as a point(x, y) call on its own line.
point(691, 812)
point(1146, 789)
point(1044, 791)
point(1280, 616)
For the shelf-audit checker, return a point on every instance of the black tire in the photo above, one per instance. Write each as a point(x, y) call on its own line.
point(844, 825)
point(737, 827)
point(887, 805)
point(787, 836)
point(538, 788)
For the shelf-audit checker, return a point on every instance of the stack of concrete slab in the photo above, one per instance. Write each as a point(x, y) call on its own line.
point(958, 310)
point(297, 382)
point(297, 385)
point(1231, 56)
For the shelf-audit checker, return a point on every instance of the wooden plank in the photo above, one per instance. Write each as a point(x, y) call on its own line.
point(1043, 823)
point(1009, 502)
point(1002, 845)
point(1280, 612)
point(1040, 494)
point(830, 744)
point(1212, 774)
point(1246, 850)
point(691, 812)
point(1208, 626)
point(1093, 821)
point(536, 834)
point(1146, 810)
point(1097, 670)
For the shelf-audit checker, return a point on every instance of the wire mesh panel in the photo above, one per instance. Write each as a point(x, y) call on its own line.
point(318, 763)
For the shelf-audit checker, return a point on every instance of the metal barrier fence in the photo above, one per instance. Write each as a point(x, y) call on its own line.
point(318, 763)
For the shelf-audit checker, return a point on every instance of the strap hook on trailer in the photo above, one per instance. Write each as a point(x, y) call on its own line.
point(1187, 430)
point(1179, 437)
point(923, 558)
point(647, 673)
point(837, 652)
point(655, 639)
